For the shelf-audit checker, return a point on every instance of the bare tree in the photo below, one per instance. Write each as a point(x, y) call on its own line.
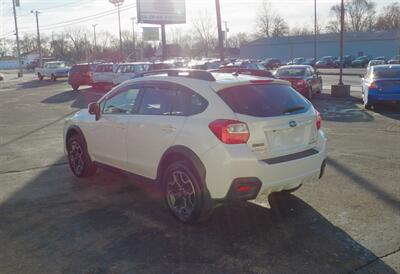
point(333, 24)
point(270, 23)
point(238, 39)
point(389, 19)
point(205, 30)
point(279, 27)
point(361, 14)
point(265, 17)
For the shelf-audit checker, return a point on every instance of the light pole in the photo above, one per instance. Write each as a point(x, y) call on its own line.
point(341, 41)
point(20, 72)
point(315, 30)
point(220, 38)
point(118, 4)
point(38, 36)
point(133, 38)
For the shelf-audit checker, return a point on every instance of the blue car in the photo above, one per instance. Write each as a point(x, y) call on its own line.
point(381, 84)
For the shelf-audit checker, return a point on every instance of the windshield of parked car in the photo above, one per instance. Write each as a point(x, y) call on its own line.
point(264, 100)
point(386, 72)
point(290, 72)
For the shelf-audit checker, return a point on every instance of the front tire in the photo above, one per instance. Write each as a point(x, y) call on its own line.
point(185, 195)
point(78, 158)
point(40, 77)
point(53, 78)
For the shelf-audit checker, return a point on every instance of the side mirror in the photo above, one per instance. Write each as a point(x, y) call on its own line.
point(94, 109)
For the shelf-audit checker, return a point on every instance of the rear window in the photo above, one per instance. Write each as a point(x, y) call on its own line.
point(80, 68)
point(387, 72)
point(264, 100)
point(291, 72)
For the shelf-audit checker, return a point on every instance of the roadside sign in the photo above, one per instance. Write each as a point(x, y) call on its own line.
point(151, 34)
point(161, 11)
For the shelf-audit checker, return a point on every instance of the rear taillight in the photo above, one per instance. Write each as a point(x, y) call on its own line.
point(230, 131)
point(318, 123)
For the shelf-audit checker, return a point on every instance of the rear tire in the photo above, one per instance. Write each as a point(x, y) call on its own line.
point(40, 77)
point(53, 78)
point(309, 93)
point(78, 158)
point(75, 87)
point(185, 195)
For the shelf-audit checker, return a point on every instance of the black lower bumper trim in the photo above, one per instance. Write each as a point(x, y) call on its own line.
point(291, 157)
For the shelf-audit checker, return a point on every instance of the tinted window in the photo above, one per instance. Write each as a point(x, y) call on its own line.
point(386, 72)
point(80, 68)
point(103, 68)
point(188, 103)
point(264, 100)
point(157, 101)
point(290, 72)
point(122, 102)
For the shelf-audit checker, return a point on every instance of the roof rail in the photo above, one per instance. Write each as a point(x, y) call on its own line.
point(188, 73)
point(237, 71)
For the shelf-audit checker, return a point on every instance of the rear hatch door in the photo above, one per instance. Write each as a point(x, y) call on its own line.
point(281, 122)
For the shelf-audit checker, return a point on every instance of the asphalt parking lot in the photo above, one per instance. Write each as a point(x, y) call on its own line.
point(51, 222)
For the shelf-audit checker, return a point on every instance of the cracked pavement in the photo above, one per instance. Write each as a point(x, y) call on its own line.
point(51, 222)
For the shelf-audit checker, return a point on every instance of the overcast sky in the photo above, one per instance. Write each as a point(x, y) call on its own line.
point(240, 14)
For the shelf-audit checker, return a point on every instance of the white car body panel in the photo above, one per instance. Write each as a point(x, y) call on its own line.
point(141, 140)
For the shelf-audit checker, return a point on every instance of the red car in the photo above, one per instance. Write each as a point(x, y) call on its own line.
point(303, 78)
point(81, 75)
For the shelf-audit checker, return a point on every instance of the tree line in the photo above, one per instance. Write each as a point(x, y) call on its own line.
point(77, 44)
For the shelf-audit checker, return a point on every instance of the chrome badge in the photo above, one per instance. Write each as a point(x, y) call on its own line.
point(292, 124)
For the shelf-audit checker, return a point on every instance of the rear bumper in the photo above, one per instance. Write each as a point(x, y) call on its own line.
point(384, 97)
point(226, 164)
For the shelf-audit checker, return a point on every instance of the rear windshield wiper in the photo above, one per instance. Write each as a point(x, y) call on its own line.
point(293, 109)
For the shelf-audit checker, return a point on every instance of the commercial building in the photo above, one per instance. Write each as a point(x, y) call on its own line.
point(382, 43)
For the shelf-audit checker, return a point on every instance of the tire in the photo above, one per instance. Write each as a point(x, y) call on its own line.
point(309, 93)
point(78, 158)
point(40, 77)
point(320, 88)
point(180, 180)
point(75, 87)
point(53, 78)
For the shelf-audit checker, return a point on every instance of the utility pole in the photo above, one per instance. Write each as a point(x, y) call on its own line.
point(20, 72)
point(118, 4)
point(94, 35)
point(220, 35)
point(133, 38)
point(315, 30)
point(226, 34)
point(38, 36)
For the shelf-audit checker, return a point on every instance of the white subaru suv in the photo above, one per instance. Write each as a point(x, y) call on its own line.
point(204, 137)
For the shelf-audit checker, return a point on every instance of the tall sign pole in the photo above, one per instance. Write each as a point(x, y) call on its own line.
point(220, 35)
point(38, 37)
point(341, 41)
point(163, 43)
point(20, 72)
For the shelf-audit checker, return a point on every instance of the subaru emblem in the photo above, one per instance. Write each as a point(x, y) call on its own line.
point(292, 124)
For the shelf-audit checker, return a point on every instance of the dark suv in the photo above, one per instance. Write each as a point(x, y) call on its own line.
point(81, 75)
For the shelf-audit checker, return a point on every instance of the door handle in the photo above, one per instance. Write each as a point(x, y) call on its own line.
point(169, 129)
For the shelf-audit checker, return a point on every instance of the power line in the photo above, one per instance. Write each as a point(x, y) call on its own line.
point(82, 19)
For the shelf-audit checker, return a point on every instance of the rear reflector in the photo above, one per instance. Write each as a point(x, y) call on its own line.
point(319, 120)
point(230, 131)
point(244, 189)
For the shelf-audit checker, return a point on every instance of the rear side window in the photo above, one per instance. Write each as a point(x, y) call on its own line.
point(107, 68)
point(157, 101)
point(80, 68)
point(264, 100)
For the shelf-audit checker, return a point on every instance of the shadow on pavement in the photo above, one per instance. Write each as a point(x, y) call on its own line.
point(80, 99)
point(389, 110)
point(344, 110)
point(36, 83)
point(59, 224)
point(374, 189)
